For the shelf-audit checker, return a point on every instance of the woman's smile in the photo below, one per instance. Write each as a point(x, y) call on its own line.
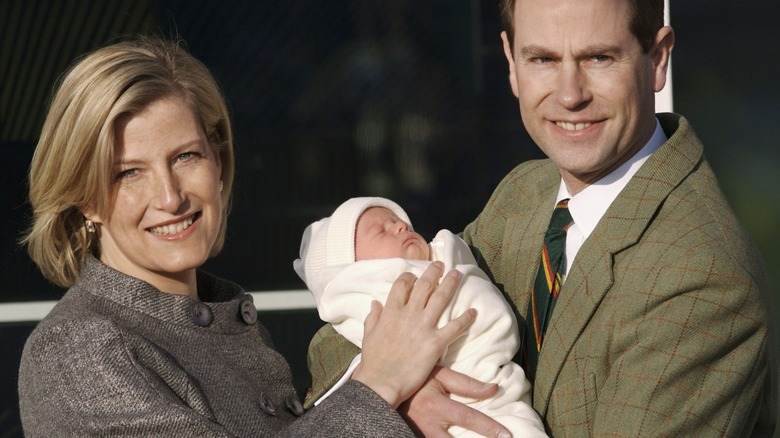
point(173, 230)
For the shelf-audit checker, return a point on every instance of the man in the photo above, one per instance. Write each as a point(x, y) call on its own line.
point(661, 324)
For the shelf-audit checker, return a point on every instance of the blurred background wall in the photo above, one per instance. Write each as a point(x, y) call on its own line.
point(339, 98)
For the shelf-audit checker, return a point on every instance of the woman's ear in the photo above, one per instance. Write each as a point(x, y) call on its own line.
point(90, 214)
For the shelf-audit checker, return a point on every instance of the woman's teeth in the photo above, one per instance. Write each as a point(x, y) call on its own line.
point(169, 229)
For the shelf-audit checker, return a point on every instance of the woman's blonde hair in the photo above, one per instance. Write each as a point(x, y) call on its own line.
point(71, 168)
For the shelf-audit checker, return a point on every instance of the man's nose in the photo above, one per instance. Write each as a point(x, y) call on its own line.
point(572, 86)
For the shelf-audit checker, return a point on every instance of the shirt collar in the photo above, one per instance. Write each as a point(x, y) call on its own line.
point(588, 206)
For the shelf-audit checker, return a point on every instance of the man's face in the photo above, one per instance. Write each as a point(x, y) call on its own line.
point(584, 86)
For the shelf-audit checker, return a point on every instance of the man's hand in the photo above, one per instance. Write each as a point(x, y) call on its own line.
point(430, 411)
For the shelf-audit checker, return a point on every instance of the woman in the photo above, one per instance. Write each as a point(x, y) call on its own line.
point(130, 185)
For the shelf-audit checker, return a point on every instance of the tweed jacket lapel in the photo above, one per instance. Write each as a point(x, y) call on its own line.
point(524, 233)
point(622, 226)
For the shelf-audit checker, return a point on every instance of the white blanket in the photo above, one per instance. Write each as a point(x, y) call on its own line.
point(484, 352)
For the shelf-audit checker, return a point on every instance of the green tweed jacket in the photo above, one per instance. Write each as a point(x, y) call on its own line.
point(663, 325)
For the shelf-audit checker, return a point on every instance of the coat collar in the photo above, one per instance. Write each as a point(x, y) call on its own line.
point(122, 296)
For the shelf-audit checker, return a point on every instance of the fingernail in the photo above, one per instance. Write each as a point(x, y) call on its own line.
point(504, 434)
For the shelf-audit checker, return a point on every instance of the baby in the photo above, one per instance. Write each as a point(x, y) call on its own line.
point(355, 255)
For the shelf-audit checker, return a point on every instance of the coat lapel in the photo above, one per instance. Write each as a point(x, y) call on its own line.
point(622, 226)
point(524, 236)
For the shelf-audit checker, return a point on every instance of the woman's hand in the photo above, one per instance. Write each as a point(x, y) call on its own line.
point(402, 342)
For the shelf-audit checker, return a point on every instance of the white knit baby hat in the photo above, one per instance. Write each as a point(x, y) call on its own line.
point(331, 241)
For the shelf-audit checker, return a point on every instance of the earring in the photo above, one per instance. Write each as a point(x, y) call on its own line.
point(220, 186)
point(90, 226)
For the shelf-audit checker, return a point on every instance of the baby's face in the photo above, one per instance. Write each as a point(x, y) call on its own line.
point(380, 234)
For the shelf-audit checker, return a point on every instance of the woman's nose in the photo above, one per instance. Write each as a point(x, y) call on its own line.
point(168, 196)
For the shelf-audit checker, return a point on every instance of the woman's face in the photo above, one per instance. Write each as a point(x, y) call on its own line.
point(167, 208)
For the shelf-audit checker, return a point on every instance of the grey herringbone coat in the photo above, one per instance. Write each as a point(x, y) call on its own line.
point(117, 357)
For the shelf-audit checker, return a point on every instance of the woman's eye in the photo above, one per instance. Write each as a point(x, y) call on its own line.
point(126, 174)
point(188, 157)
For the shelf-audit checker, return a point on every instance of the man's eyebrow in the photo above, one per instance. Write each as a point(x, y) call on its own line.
point(597, 49)
point(533, 51)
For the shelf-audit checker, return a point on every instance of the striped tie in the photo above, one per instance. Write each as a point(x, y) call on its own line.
point(547, 284)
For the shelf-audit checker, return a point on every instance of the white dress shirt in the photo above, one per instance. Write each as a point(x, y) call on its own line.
point(588, 206)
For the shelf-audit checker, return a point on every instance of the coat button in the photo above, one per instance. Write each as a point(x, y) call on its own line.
point(202, 314)
point(267, 405)
point(294, 405)
point(248, 310)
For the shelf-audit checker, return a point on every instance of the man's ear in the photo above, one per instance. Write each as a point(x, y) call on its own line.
point(661, 55)
point(511, 61)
